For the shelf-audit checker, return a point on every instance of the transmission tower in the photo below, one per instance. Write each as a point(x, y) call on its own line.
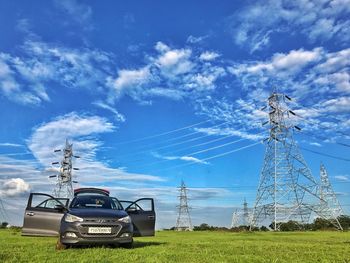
point(287, 189)
point(235, 219)
point(330, 208)
point(241, 217)
point(183, 222)
point(64, 181)
point(3, 215)
point(246, 220)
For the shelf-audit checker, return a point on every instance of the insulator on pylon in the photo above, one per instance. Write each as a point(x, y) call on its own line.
point(298, 128)
point(55, 162)
point(263, 108)
point(293, 113)
point(52, 176)
point(76, 168)
point(57, 151)
point(289, 98)
point(266, 122)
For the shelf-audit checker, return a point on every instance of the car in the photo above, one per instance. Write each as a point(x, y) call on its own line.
point(92, 217)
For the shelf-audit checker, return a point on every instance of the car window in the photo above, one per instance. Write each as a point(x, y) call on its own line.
point(94, 201)
point(43, 201)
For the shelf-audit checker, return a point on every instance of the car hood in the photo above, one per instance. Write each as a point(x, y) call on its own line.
point(97, 212)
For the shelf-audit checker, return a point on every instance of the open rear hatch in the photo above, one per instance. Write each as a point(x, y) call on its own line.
point(89, 191)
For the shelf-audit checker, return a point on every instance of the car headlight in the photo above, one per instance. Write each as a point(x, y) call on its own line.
point(72, 218)
point(125, 219)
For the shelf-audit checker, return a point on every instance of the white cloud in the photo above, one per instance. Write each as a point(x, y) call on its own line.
point(173, 62)
point(342, 178)
point(171, 73)
point(208, 56)
point(25, 79)
point(253, 25)
point(230, 131)
point(118, 116)
point(194, 40)
point(181, 158)
point(8, 144)
point(130, 79)
point(14, 187)
point(82, 131)
point(78, 12)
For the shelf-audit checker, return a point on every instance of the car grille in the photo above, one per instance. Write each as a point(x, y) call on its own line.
point(94, 220)
point(84, 230)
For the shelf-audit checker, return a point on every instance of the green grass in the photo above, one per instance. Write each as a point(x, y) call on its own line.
point(201, 247)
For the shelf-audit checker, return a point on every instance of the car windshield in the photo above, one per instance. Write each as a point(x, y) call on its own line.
point(96, 201)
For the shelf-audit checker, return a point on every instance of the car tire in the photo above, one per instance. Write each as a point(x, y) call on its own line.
point(128, 245)
point(60, 245)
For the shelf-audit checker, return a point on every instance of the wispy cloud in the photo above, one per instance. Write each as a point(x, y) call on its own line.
point(181, 158)
point(342, 178)
point(76, 11)
point(8, 144)
point(118, 116)
point(254, 25)
point(25, 79)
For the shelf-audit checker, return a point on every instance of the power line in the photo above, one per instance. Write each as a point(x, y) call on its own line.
point(210, 158)
point(174, 144)
point(162, 134)
point(198, 152)
point(325, 154)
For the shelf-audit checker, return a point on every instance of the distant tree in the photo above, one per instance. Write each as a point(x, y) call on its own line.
point(264, 228)
point(4, 224)
point(322, 224)
point(290, 226)
point(344, 220)
point(202, 227)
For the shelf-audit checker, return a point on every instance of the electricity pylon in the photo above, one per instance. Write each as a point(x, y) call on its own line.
point(241, 217)
point(330, 208)
point(235, 219)
point(246, 220)
point(287, 189)
point(3, 215)
point(64, 182)
point(183, 222)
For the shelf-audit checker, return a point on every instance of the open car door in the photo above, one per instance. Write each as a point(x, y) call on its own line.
point(142, 215)
point(43, 215)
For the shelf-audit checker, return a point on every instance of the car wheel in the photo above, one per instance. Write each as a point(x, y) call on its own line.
point(127, 245)
point(60, 245)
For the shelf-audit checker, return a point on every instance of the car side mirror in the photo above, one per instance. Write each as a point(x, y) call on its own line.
point(60, 208)
point(131, 209)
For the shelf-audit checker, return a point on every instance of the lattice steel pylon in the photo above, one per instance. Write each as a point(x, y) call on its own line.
point(235, 219)
point(330, 208)
point(287, 189)
point(64, 183)
point(183, 222)
point(246, 220)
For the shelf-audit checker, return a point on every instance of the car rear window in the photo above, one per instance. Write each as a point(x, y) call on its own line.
point(95, 201)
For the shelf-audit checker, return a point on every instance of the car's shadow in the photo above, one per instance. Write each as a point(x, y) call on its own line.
point(136, 245)
point(140, 244)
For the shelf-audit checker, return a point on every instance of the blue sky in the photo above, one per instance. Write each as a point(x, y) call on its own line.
point(151, 93)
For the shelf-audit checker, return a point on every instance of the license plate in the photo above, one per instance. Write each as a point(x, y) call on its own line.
point(100, 230)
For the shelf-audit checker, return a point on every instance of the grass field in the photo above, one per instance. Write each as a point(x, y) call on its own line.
point(169, 246)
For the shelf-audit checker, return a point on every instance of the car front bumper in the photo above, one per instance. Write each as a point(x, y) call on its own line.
point(120, 233)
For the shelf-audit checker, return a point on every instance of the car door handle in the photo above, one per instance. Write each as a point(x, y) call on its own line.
point(30, 214)
point(150, 217)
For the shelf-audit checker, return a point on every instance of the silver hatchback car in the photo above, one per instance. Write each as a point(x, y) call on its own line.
point(92, 217)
